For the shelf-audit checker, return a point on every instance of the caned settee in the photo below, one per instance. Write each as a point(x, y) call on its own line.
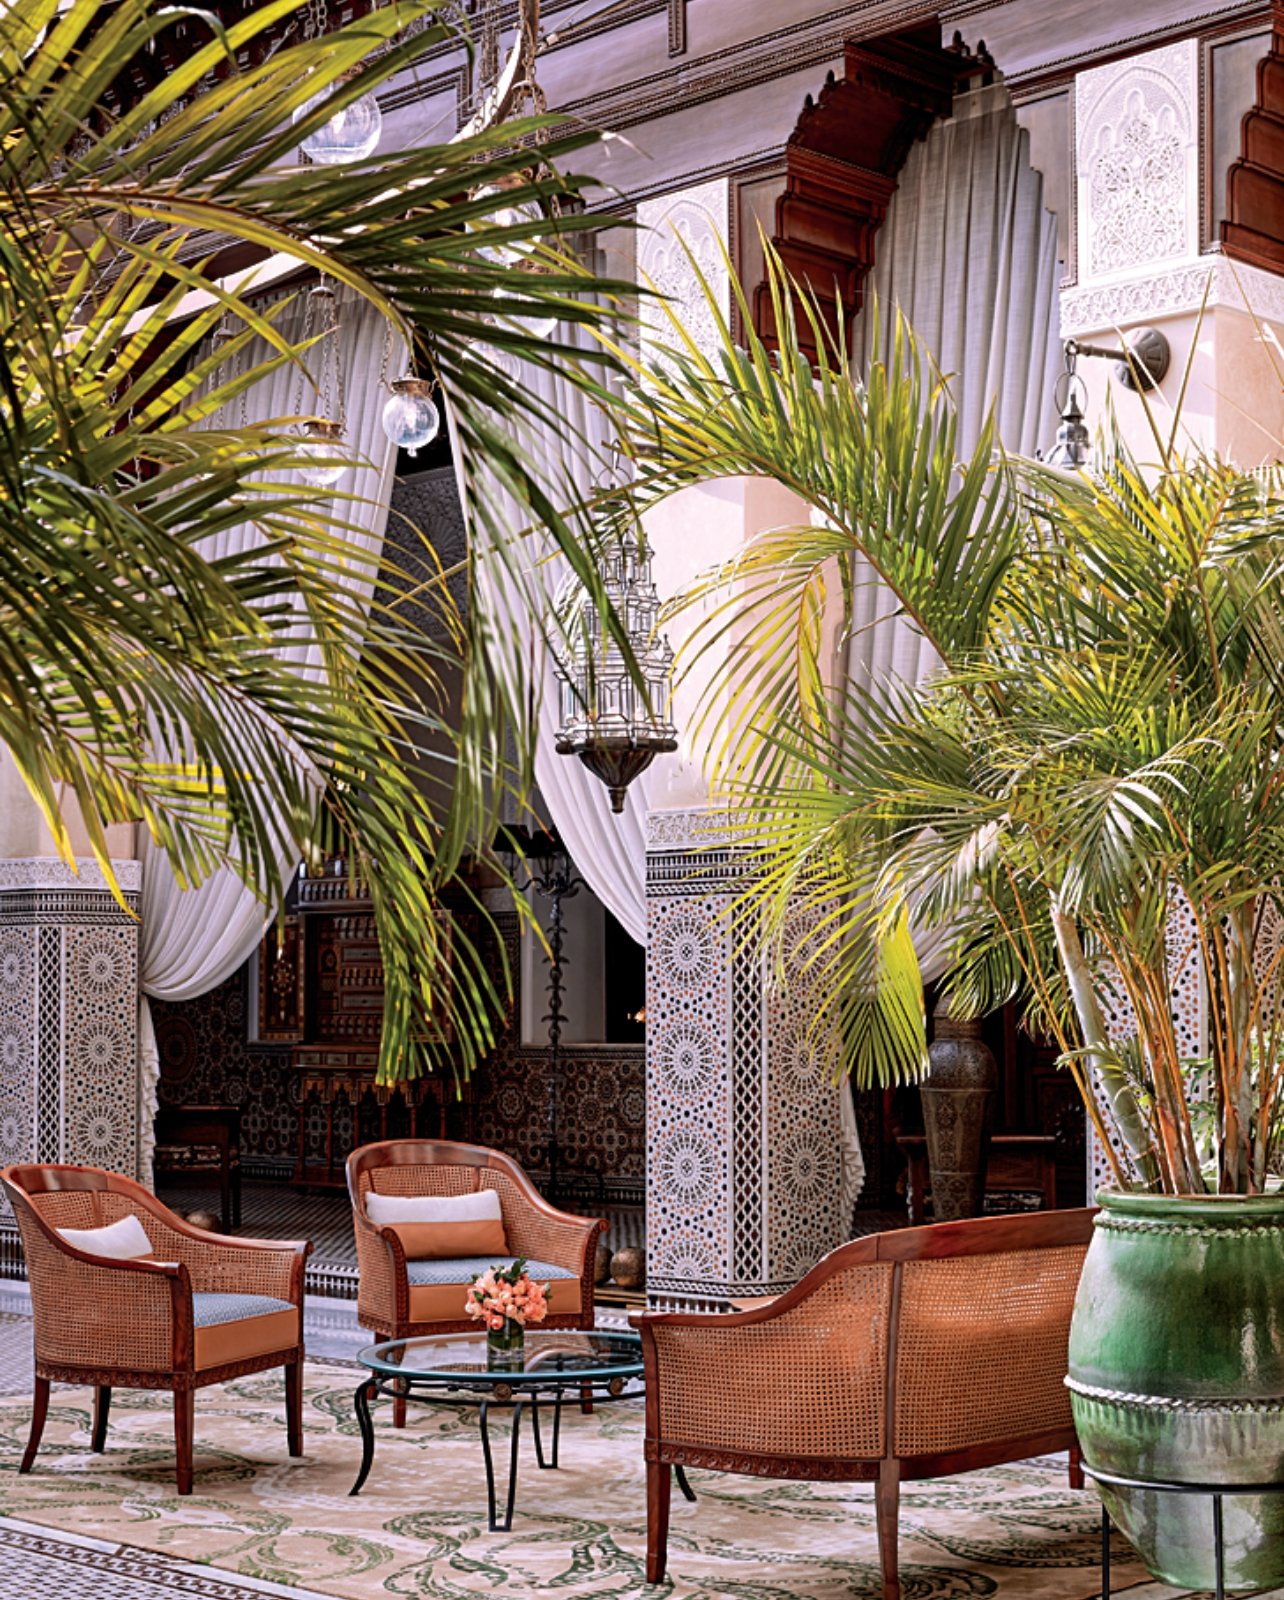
point(910, 1354)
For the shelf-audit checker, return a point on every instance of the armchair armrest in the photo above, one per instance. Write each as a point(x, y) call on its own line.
point(99, 1312)
point(219, 1263)
point(383, 1294)
point(539, 1230)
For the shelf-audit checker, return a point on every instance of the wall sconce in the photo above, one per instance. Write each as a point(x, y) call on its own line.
point(1140, 365)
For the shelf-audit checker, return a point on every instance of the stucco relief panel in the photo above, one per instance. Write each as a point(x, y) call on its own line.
point(682, 238)
point(1136, 137)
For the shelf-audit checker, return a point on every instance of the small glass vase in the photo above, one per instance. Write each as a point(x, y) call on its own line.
point(506, 1346)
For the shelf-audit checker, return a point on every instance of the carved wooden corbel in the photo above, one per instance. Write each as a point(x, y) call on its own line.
point(1253, 230)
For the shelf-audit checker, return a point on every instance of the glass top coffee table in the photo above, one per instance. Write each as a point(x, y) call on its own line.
point(454, 1368)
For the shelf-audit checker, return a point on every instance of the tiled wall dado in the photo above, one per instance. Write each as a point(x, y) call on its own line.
point(743, 1137)
point(68, 1015)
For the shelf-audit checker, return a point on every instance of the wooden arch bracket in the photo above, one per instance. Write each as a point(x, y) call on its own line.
point(842, 162)
point(1253, 230)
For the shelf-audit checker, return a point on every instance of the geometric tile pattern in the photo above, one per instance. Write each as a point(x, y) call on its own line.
point(601, 1104)
point(743, 1135)
point(68, 1015)
point(207, 1059)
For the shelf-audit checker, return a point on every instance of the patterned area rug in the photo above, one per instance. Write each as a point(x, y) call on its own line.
point(419, 1527)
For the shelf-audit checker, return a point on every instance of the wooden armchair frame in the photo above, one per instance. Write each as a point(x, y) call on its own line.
point(725, 1391)
point(130, 1324)
point(533, 1228)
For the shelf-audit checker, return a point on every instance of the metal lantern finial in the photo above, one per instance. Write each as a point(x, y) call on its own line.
point(1073, 448)
point(614, 716)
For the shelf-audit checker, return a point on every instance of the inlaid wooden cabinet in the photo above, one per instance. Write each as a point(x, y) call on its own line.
point(321, 990)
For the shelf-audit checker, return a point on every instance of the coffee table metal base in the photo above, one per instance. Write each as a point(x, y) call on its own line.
point(370, 1389)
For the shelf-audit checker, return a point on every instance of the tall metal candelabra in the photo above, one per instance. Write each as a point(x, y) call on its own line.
point(550, 872)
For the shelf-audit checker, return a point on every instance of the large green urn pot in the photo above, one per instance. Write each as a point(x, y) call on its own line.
point(1177, 1373)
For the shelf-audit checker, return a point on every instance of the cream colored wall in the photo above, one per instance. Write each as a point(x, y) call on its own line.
point(1234, 397)
point(24, 832)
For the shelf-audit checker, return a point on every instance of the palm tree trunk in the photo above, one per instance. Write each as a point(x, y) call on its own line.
point(1123, 1105)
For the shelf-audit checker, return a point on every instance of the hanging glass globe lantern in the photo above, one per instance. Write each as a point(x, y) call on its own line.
point(507, 253)
point(615, 724)
point(322, 451)
point(351, 134)
point(410, 419)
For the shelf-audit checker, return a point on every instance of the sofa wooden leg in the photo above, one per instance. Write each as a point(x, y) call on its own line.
point(102, 1407)
point(586, 1399)
point(399, 1411)
point(887, 1500)
point(39, 1411)
point(294, 1406)
point(184, 1423)
point(1076, 1467)
point(659, 1487)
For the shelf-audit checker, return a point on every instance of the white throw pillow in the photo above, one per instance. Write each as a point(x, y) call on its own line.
point(480, 1207)
point(125, 1240)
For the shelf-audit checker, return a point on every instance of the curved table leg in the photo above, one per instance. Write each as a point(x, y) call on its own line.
point(551, 1462)
point(495, 1525)
point(686, 1488)
point(366, 1392)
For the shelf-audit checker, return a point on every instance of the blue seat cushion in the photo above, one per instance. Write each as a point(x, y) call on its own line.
point(438, 1289)
point(461, 1269)
point(233, 1328)
point(208, 1310)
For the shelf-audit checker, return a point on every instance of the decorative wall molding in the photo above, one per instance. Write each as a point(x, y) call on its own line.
point(694, 221)
point(693, 828)
point(1147, 296)
point(51, 872)
point(842, 162)
point(742, 1121)
point(68, 1015)
point(1137, 162)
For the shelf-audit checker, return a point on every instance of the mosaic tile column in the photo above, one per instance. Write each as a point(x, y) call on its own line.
point(743, 1141)
point(68, 1016)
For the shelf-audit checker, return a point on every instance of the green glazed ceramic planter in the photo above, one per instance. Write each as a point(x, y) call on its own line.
point(1177, 1372)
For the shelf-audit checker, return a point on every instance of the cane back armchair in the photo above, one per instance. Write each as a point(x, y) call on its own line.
point(200, 1309)
point(911, 1354)
point(400, 1299)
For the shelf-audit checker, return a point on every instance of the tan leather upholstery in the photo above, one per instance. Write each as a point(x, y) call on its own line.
point(250, 1336)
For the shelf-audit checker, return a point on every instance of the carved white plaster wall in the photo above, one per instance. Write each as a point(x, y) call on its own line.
point(678, 233)
point(1137, 162)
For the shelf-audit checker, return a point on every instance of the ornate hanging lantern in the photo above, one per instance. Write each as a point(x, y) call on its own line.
point(615, 717)
point(321, 449)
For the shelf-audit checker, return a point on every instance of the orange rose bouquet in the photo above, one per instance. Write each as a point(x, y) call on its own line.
point(504, 1300)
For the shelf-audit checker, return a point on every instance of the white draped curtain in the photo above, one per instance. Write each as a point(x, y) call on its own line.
point(968, 253)
point(193, 939)
point(609, 849)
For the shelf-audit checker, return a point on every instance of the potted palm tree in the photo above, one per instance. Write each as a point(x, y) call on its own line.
point(1086, 799)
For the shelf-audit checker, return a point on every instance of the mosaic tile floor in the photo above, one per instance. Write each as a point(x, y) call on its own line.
point(36, 1563)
